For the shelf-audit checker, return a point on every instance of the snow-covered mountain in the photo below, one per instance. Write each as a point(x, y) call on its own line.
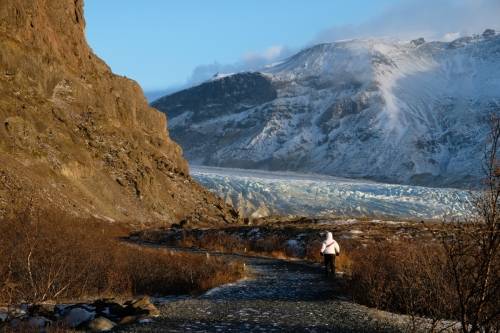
point(406, 112)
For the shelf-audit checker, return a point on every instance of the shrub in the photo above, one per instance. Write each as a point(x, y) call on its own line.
point(54, 257)
point(403, 277)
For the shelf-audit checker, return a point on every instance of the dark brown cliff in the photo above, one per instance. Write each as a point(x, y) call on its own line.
point(77, 137)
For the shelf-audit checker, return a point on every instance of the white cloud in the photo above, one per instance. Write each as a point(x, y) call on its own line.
point(451, 36)
point(249, 61)
point(270, 54)
point(431, 19)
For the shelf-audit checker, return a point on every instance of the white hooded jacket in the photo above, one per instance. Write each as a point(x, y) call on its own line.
point(330, 246)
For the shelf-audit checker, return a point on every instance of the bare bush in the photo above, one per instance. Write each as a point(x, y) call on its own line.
point(54, 257)
point(404, 277)
point(456, 278)
point(472, 248)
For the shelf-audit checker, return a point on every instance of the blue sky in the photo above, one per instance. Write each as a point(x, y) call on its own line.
point(159, 43)
point(165, 43)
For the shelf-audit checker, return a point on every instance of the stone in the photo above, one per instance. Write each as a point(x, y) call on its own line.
point(44, 310)
point(91, 133)
point(418, 41)
point(110, 309)
point(101, 324)
point(145, 306)
point(77, 316)
point(129, 320)
point(38, 322)
point(489, 33)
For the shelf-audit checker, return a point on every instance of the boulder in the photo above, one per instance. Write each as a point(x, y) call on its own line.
point(77, 316)
point(110, 309)
point(101, 324)
point(144, 306)
point(489, 33)
point(42, 310)
point(130, 320)
point(38, 322)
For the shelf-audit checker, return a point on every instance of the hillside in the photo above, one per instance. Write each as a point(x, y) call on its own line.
point(403, 112)
point(76, 137)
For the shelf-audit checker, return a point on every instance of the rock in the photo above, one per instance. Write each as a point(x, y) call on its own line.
point(17, 312)
point(61, 309)
point(78, 316)
point(62, 108)
point(3, 315)
point(489, 33)
point(110, 309)
point(418, 41)
point(144, 306)
point(43, 310)
point(38, 322)
point(101, 324)
point(129, 320)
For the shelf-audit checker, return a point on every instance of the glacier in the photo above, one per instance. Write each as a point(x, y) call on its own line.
point(258, 193)
point(408, 112)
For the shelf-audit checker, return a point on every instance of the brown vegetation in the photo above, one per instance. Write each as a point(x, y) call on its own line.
point(53, 257)
point(404, 277)
point(456, 278)
point(81, 138)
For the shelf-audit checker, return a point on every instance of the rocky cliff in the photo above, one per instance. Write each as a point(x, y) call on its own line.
point(77, 137)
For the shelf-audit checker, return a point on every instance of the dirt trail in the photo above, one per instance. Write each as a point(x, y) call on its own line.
point(281, 296)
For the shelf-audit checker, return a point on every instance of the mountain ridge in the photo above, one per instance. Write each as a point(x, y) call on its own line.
point(402, 112)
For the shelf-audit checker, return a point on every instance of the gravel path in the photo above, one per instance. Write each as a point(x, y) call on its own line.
point(281, 296)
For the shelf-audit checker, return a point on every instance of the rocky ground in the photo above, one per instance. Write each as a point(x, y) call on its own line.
point(276, 296)
point(280, 296)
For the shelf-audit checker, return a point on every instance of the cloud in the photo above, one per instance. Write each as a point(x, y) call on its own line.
point(270, 54)
point(434, 20)
point(249, 61)
point(409, 19)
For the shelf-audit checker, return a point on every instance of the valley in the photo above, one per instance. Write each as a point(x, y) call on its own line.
point(212, 208)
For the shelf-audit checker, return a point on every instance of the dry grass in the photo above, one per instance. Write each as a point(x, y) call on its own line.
point(53, 257)
point(220, 241)
point(403, 277)
point(406, 272)
point(270, 245)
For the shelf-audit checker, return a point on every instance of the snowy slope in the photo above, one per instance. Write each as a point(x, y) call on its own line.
point(262, 193)
point(403, 112)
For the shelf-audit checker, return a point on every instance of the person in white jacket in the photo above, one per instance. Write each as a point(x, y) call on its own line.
point(329, 250)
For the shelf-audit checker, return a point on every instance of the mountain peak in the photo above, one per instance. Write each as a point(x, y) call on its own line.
point(405, 112)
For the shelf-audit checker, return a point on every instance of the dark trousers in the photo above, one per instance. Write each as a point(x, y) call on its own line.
point(329, 263)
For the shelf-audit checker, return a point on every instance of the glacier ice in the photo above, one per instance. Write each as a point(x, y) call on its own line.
point(258, 193)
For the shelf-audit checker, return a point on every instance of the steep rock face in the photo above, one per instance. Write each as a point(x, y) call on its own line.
point(77, 136)
point(405, 112)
